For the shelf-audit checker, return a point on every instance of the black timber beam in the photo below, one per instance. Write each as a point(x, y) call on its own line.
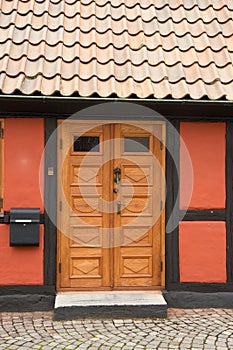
point(49, 106)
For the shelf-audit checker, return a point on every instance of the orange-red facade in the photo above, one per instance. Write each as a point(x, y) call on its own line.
point(23, 145)
point(202, 244)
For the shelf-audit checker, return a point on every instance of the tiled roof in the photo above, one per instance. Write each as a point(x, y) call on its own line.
point(156, 48)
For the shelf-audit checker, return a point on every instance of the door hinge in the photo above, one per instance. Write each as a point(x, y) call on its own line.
point(161, 145)
point(161, 205)
point(161, 266)
point(1, 133)
point(1, 203)
point(59, 267)
point(60, 205)
point(61, 143)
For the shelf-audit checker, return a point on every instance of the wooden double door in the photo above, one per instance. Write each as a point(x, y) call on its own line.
point(110, 205)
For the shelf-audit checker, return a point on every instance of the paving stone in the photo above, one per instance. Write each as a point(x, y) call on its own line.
point(183, 329)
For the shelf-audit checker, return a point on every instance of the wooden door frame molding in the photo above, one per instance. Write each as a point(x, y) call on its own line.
point(139, 122)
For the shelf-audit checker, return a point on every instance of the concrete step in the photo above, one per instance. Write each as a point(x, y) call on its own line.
point(110, 304)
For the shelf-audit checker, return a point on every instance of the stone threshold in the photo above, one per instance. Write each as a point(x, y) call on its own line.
point(110, 304)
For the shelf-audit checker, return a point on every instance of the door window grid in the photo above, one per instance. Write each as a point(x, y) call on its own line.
point(86, 144)
point(136, 144)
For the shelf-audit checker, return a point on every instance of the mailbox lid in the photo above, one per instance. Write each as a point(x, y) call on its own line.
point(29, 215)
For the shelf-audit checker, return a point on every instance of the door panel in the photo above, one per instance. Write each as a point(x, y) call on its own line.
point(84, 260)
point(111, 232)
point(138, 263)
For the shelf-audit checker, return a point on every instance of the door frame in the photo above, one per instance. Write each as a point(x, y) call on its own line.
point(163, 150)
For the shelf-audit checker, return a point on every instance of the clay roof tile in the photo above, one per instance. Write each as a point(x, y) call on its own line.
point(141, 47)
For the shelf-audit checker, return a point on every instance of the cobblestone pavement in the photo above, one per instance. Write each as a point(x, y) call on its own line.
point(183, 329)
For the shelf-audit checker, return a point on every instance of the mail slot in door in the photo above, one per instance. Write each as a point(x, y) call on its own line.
point(24, 226)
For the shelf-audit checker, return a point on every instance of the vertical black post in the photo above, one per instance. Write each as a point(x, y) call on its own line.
point(172, 207)
point(50, 201)
point(229, 200)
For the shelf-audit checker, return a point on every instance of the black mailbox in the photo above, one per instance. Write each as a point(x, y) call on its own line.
point(24, 226)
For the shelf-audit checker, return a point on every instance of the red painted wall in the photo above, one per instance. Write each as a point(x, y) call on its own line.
point(202, 247)
point(20, 265)
point(24, 144)
point(206, 143)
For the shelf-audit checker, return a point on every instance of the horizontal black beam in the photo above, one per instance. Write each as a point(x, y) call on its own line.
point(200, 287)
point(27, 289)
point(26, 302)
point(203, 215)
point(58, 106)
point(5, 218)
point(192, 300)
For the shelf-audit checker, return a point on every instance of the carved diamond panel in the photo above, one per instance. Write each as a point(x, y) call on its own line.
point(138, 174)
point(88, 206)
point(138, 205)
point(85, 267)
point(137, 266)
point(136, 236)
point(91, 175)
point(89, 236)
